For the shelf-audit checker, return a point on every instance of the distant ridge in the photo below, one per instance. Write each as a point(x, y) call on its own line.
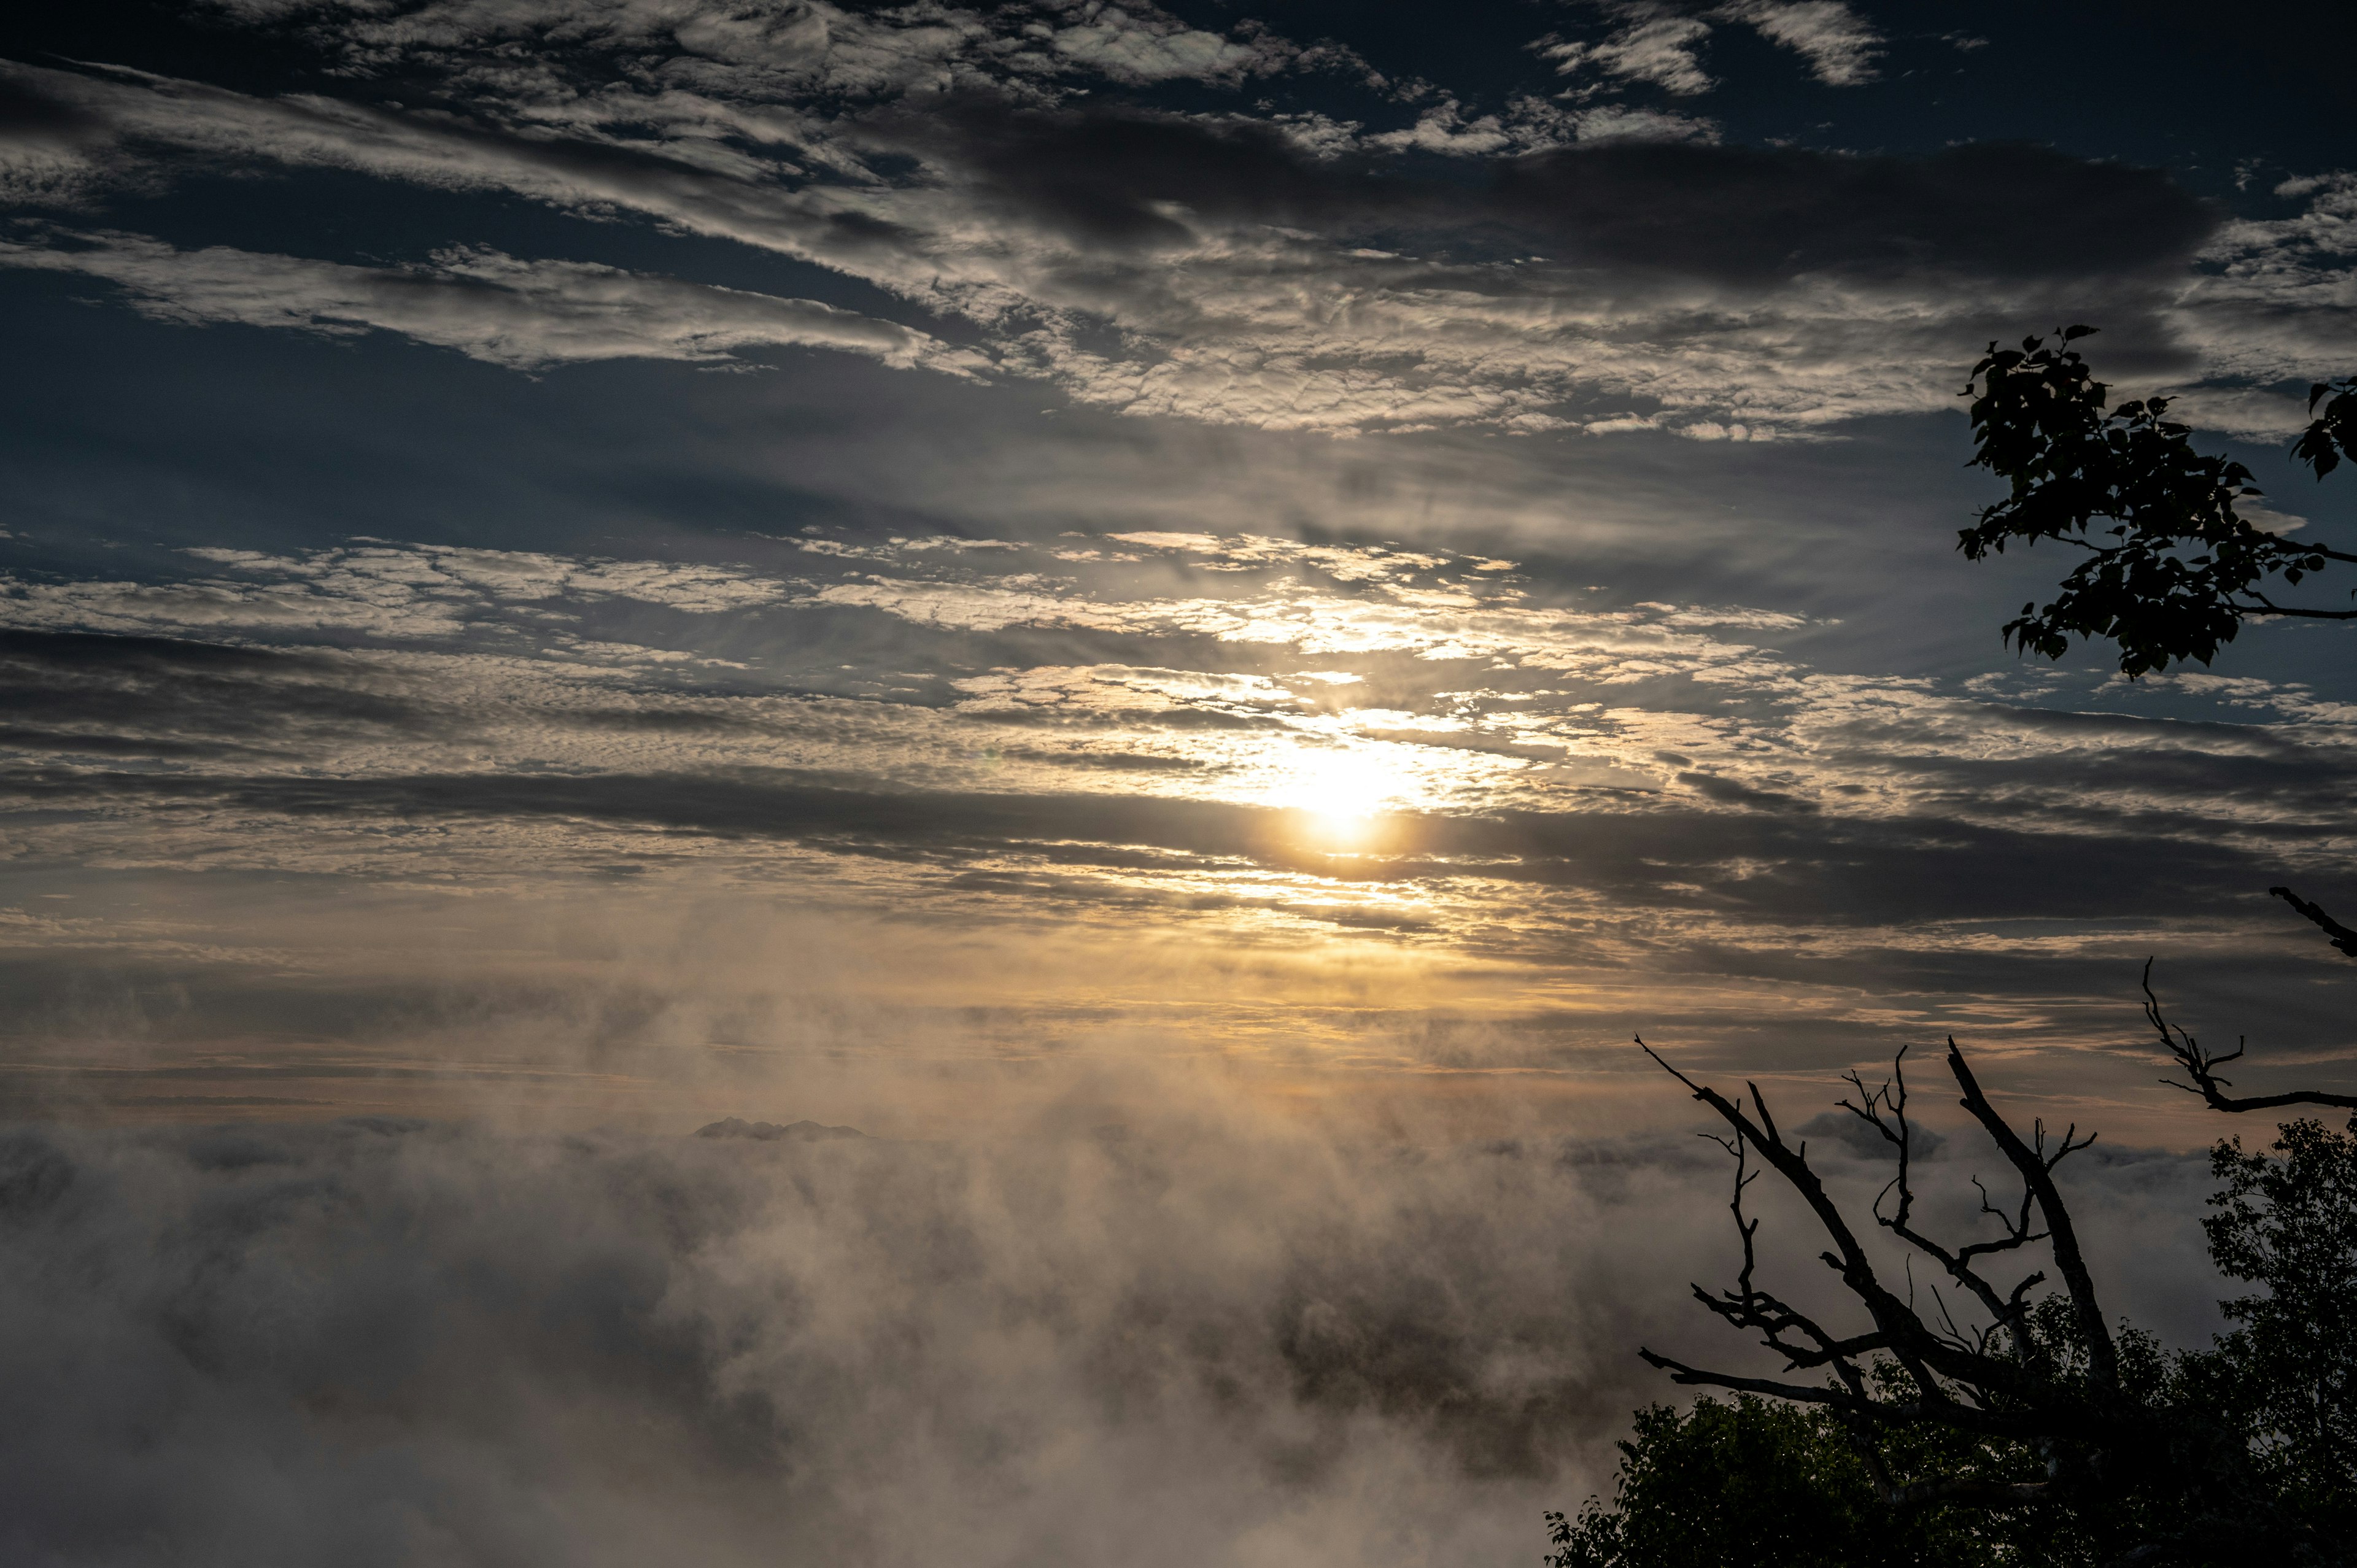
point(770, 1132)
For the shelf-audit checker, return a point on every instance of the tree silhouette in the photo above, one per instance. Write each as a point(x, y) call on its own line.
point(2002, 1400)
point(2179, 569)
point(1755, 1483)
point(2288, 1373)
point(2202, 1066)
point(2012, 1427)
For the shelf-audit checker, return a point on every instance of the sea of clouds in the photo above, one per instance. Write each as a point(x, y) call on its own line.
point(1207, 1336)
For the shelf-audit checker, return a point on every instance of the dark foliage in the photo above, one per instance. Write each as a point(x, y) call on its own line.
point(1754, 1483)
point(2178, 570)
point(2288, 1222)
point(2333, 433)
point(1757, 1482)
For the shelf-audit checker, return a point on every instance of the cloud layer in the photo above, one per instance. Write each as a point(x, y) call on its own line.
point(1413, 753)
point(1202, 1339)
point(1543, 263)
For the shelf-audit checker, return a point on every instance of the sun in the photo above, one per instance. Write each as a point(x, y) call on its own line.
point(1343, 793)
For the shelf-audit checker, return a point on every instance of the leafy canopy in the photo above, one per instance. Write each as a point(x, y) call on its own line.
point(2288, 1375)
point(1751, 1484)
point(2178, 569)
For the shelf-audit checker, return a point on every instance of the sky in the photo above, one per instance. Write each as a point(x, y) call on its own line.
point(1189, 618)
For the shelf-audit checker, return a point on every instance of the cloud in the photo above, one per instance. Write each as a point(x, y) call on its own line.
point(51, 155)
point(397, 591)
point(829, 1351)
point(1194, 1337)
point(1862, 809)
point(2275, 301)
point(807, 47)
point(1149, 45)
point(487, 305)
point(1628, 816)
point(1251, 670)
point(1656, 45)
point(1628, 275)
point(383, 611)
point(1840, 45)
point(1659, 45)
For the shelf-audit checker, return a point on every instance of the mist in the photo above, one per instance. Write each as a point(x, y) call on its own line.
point(1210, 1335)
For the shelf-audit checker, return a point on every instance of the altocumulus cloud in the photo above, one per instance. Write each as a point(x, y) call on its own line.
point(1551, 264)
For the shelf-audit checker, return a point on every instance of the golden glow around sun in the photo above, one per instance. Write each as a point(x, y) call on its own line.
point(1344, 792)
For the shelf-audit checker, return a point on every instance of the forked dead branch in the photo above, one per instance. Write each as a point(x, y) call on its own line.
point(1987, 1378)
point(2035, 1403)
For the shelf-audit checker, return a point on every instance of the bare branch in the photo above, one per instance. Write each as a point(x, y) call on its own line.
point(1885, 1110)
point(2065, 1403)
point(2343, 939)
point(2202, 1066)
point(1750, 1308)
point(1694, 1377)
point(1940, 1369)
point(2266, 606)
point(1886, 1412)
point(2037, 1173)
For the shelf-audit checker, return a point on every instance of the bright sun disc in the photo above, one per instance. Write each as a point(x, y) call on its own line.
point(1343, 793)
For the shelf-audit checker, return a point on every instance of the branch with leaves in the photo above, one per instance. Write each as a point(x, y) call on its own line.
point(2179, 569)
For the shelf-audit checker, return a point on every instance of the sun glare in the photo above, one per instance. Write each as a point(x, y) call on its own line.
point(1344, 793)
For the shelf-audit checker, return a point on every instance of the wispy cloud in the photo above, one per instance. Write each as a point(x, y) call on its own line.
point(1659, 44)
point(1840, 45)
point(488, 306)
point(1208, 267)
